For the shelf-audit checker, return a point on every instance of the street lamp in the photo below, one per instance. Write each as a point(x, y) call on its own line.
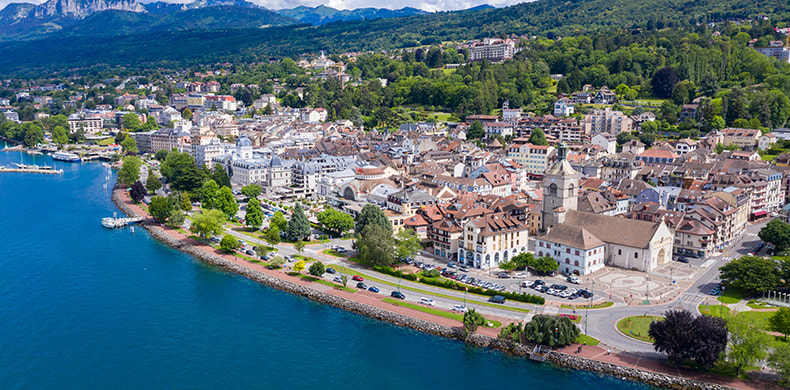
point(556, 336)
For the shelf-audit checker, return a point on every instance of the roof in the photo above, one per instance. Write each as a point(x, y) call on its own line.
point(572, 236)
point(416, 220)
point(659, 153)
point(615, 230)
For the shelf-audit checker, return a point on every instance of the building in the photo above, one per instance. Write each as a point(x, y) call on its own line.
point(90, 125)
point(219, 102)
point(606, 141)
point(560, 186)
point(606, 121)
point(576, 250)
point(604, 96)
point(779, 52)
point(492, 49)
point(534, 158)
point(686, 145)
point(745, 139)
point(563, 107)
point(490, 239)
point(445, 234)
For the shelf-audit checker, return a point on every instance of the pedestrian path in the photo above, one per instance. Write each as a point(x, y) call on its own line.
point(692, 298)
point(709, 263)
point(551, 310)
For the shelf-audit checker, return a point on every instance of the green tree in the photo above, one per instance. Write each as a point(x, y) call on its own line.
point(299, 246)
point(475, 131)
point(709, 85)
point(543, 265)
point(130, 170)
point(150, 123)
point(538, 137)
point(375, 245)
point(153, 183)
point(472, 320)
point(624, 137)
point(551, 330)
point(780, 321)
point(299, 266)
point(159, 208)
point(748, 343)
point(684, 92)
point(372, 214)
point(276, 262)
point(33, 135)
point(278, 220)
point(779, 361)
point(186, 203)
point(208, 222)
point(751, 273)
point(176, 218)
point(209, 194)
point(717, 122)
point(272, 235)
point(407, 244)
point(254, 215)
point(129, 145)
point(131, 122)
point(221, 176)
point(226, 202)
point(186, 114)
point(59, 135)
point(161, 155)
point(182, 172)
point(344, 280)
point(777, 232)
point(251, 191)
point(317, 269)
point(335, 221)
point(298, 226)
point(229, 243)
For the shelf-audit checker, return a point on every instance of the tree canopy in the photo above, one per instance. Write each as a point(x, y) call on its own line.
point(751, 273)
point(336, 221)
point(298, 225)
point(776, 232)
point(682, 336)
point(372, 214)
point(208, 222)
point(376, 245)
point(130, 170)
point(254, 215)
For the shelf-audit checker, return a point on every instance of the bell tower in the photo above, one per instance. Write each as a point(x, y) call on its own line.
point(560, 190)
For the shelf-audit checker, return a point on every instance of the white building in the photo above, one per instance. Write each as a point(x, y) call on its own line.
point(576, 250)
point(606, 141)
point(563, 107)
point(488, 240)
point(492, 49)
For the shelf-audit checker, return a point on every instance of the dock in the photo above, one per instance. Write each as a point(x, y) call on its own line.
point(32, 169)
point(112, 222)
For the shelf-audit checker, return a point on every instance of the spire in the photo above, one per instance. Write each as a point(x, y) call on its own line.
point(562, 152)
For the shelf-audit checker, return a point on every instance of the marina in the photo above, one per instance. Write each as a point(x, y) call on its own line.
point(22, 168)
point(115, 222)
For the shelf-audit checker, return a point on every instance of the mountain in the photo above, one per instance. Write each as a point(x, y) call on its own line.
point(322, 14)
point(112, 22)
point(78, 9)
point(24, 20)
point(480, 7)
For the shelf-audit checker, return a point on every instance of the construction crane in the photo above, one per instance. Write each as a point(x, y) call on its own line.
point(786, 32)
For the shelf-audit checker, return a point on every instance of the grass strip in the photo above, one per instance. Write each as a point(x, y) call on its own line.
point(637, 327)
point(595, 306)
point(441, 313)
point(589, 340)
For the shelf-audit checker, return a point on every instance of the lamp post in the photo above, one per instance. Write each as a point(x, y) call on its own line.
point(556, 336)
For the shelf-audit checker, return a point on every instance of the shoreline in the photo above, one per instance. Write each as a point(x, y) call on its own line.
point(556, 358)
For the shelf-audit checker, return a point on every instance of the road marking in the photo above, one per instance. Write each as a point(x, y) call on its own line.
point(691, 298)
point(551, 310)
point(709, 263)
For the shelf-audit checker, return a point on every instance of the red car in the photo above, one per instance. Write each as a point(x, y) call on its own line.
point(358, 278)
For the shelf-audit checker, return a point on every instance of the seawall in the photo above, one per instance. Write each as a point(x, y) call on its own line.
point(556, 358)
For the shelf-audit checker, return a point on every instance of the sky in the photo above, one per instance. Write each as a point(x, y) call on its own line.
point(428, 5)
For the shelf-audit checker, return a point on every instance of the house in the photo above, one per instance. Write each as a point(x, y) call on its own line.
point(745, 139)
point(488, 240)
point(766, 140)
point(445, 234)
point(606, 141)
point(655, 156)
point(498, 128)
point(563, 107)
point(686, 145)
point(606, 120)
point(511, 115)
point(634, 147)
point(604, 96)
point(688, 112)
point(575, 249)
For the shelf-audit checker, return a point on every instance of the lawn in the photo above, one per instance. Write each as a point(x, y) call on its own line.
point(714, 310)
point(595, 306)
point(441, 313)
point(759, 305)
point(733, 295)
point(332, 252)
point(106, 141)
point(637, 327)
point(441, 116)
point(589, 340)
point(311, 278)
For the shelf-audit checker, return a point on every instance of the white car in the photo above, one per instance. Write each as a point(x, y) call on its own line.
point(520, 275)
point(460, 308)
point(427, 301)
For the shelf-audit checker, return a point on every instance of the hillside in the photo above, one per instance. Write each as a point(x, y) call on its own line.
point(537, 18)
point(322, 14)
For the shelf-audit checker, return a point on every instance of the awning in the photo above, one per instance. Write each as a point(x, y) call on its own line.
point(760, 213)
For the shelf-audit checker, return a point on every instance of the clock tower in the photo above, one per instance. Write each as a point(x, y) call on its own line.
point(560, 190)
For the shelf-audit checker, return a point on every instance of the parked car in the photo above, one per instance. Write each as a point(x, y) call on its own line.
point(250, 252)
point(682, 259)
point(358, 278)
point(374, 289)
point(504, 275)
point(398, 294)
point(463, 268)
point(426, 301)
point(715, 291)
point(540, 282)
point(497, 299)
point(337, 279)
point(574, 280)
point(460, 308)
point(264, 257)
point(215, 239)
point(362, 286)
point(520, 275)
point(526, 284)
point(452, 264)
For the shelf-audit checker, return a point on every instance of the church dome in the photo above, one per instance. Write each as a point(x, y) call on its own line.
point(243, 141)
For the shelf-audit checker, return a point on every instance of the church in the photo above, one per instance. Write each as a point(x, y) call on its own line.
point(582, 242)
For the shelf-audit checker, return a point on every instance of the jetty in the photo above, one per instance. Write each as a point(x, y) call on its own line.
point(22, 168)
point(113, 222)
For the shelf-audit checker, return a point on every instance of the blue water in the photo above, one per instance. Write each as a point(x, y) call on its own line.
point(83, 307)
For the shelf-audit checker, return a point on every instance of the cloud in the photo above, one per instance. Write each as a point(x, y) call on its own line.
point(428, 5)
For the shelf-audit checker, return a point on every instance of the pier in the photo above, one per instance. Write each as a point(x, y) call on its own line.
point(112, 222)
point(47, 170)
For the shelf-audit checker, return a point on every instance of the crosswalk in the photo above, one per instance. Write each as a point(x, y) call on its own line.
point(691, 298)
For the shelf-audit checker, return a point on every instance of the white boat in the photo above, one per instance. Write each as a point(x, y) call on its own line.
point(65, 156)
point(109, 222)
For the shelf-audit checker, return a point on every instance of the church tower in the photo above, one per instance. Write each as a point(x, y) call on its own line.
point(560, 190)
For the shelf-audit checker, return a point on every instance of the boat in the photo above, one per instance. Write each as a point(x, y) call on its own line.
point(65, 156)
point(108, 222)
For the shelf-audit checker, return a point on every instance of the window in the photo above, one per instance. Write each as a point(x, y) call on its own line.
point(576, 263)
point(567, 250)
point(636, 255)
point(619, 251)
point(577, 252)
point(567, 261)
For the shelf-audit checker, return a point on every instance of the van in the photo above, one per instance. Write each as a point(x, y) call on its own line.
point(497, 299)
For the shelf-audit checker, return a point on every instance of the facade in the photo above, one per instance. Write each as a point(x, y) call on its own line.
point(563, 107)
point(560, 186)
point(606, 141)
point(491, 239)
point(87, 125)
point(219, 102)
point(534, 158)
point(745, 139)
point(576, 250)
point(606, 121)
point(492, 49)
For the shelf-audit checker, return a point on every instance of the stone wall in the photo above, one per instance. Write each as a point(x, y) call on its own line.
point(559, 359)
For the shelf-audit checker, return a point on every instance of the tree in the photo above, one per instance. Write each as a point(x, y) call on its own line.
point(670, 112)
point(254, 215)
point(317, 269)
point(251, 191)
point(209, 194)
point(663, 82)
point(130, 170)
point(208, 222)
point(161, 155)
point(344, 280)
point(150, 123)
point(186, 203)
point(153, 183)
point(131, 122)
point(717, 122)
point(407, 244)
point(777, 232)
point(59, 135)
point(682, 336)
point(780, 321)
point(187, 114)
point(160, 208)
point(372, 214)
point(129, 145)
point(298, 226)
point(472, 320)
point(229, 243)
point(748, 342)
point(221, 176)
point(272, 235)
point(624, 137)
point(226, 202)
point(551, 330)
point(709, 85)
point(779, 361)
point(751, 273)
point(375, 245)
point(335, 221)
point(544, 265)
point(538, 137)
point(176, 218)
point(684, 92)
point(137, 192)
point(299, 246)
point(647, 139)
point(522, 260)
point(279, 221)
point(182, 172)
point(475, 131)
point(299, 266)
point(276, 262)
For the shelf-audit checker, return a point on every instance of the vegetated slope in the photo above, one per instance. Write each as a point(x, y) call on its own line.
point(541, 17)
point(322, 14)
